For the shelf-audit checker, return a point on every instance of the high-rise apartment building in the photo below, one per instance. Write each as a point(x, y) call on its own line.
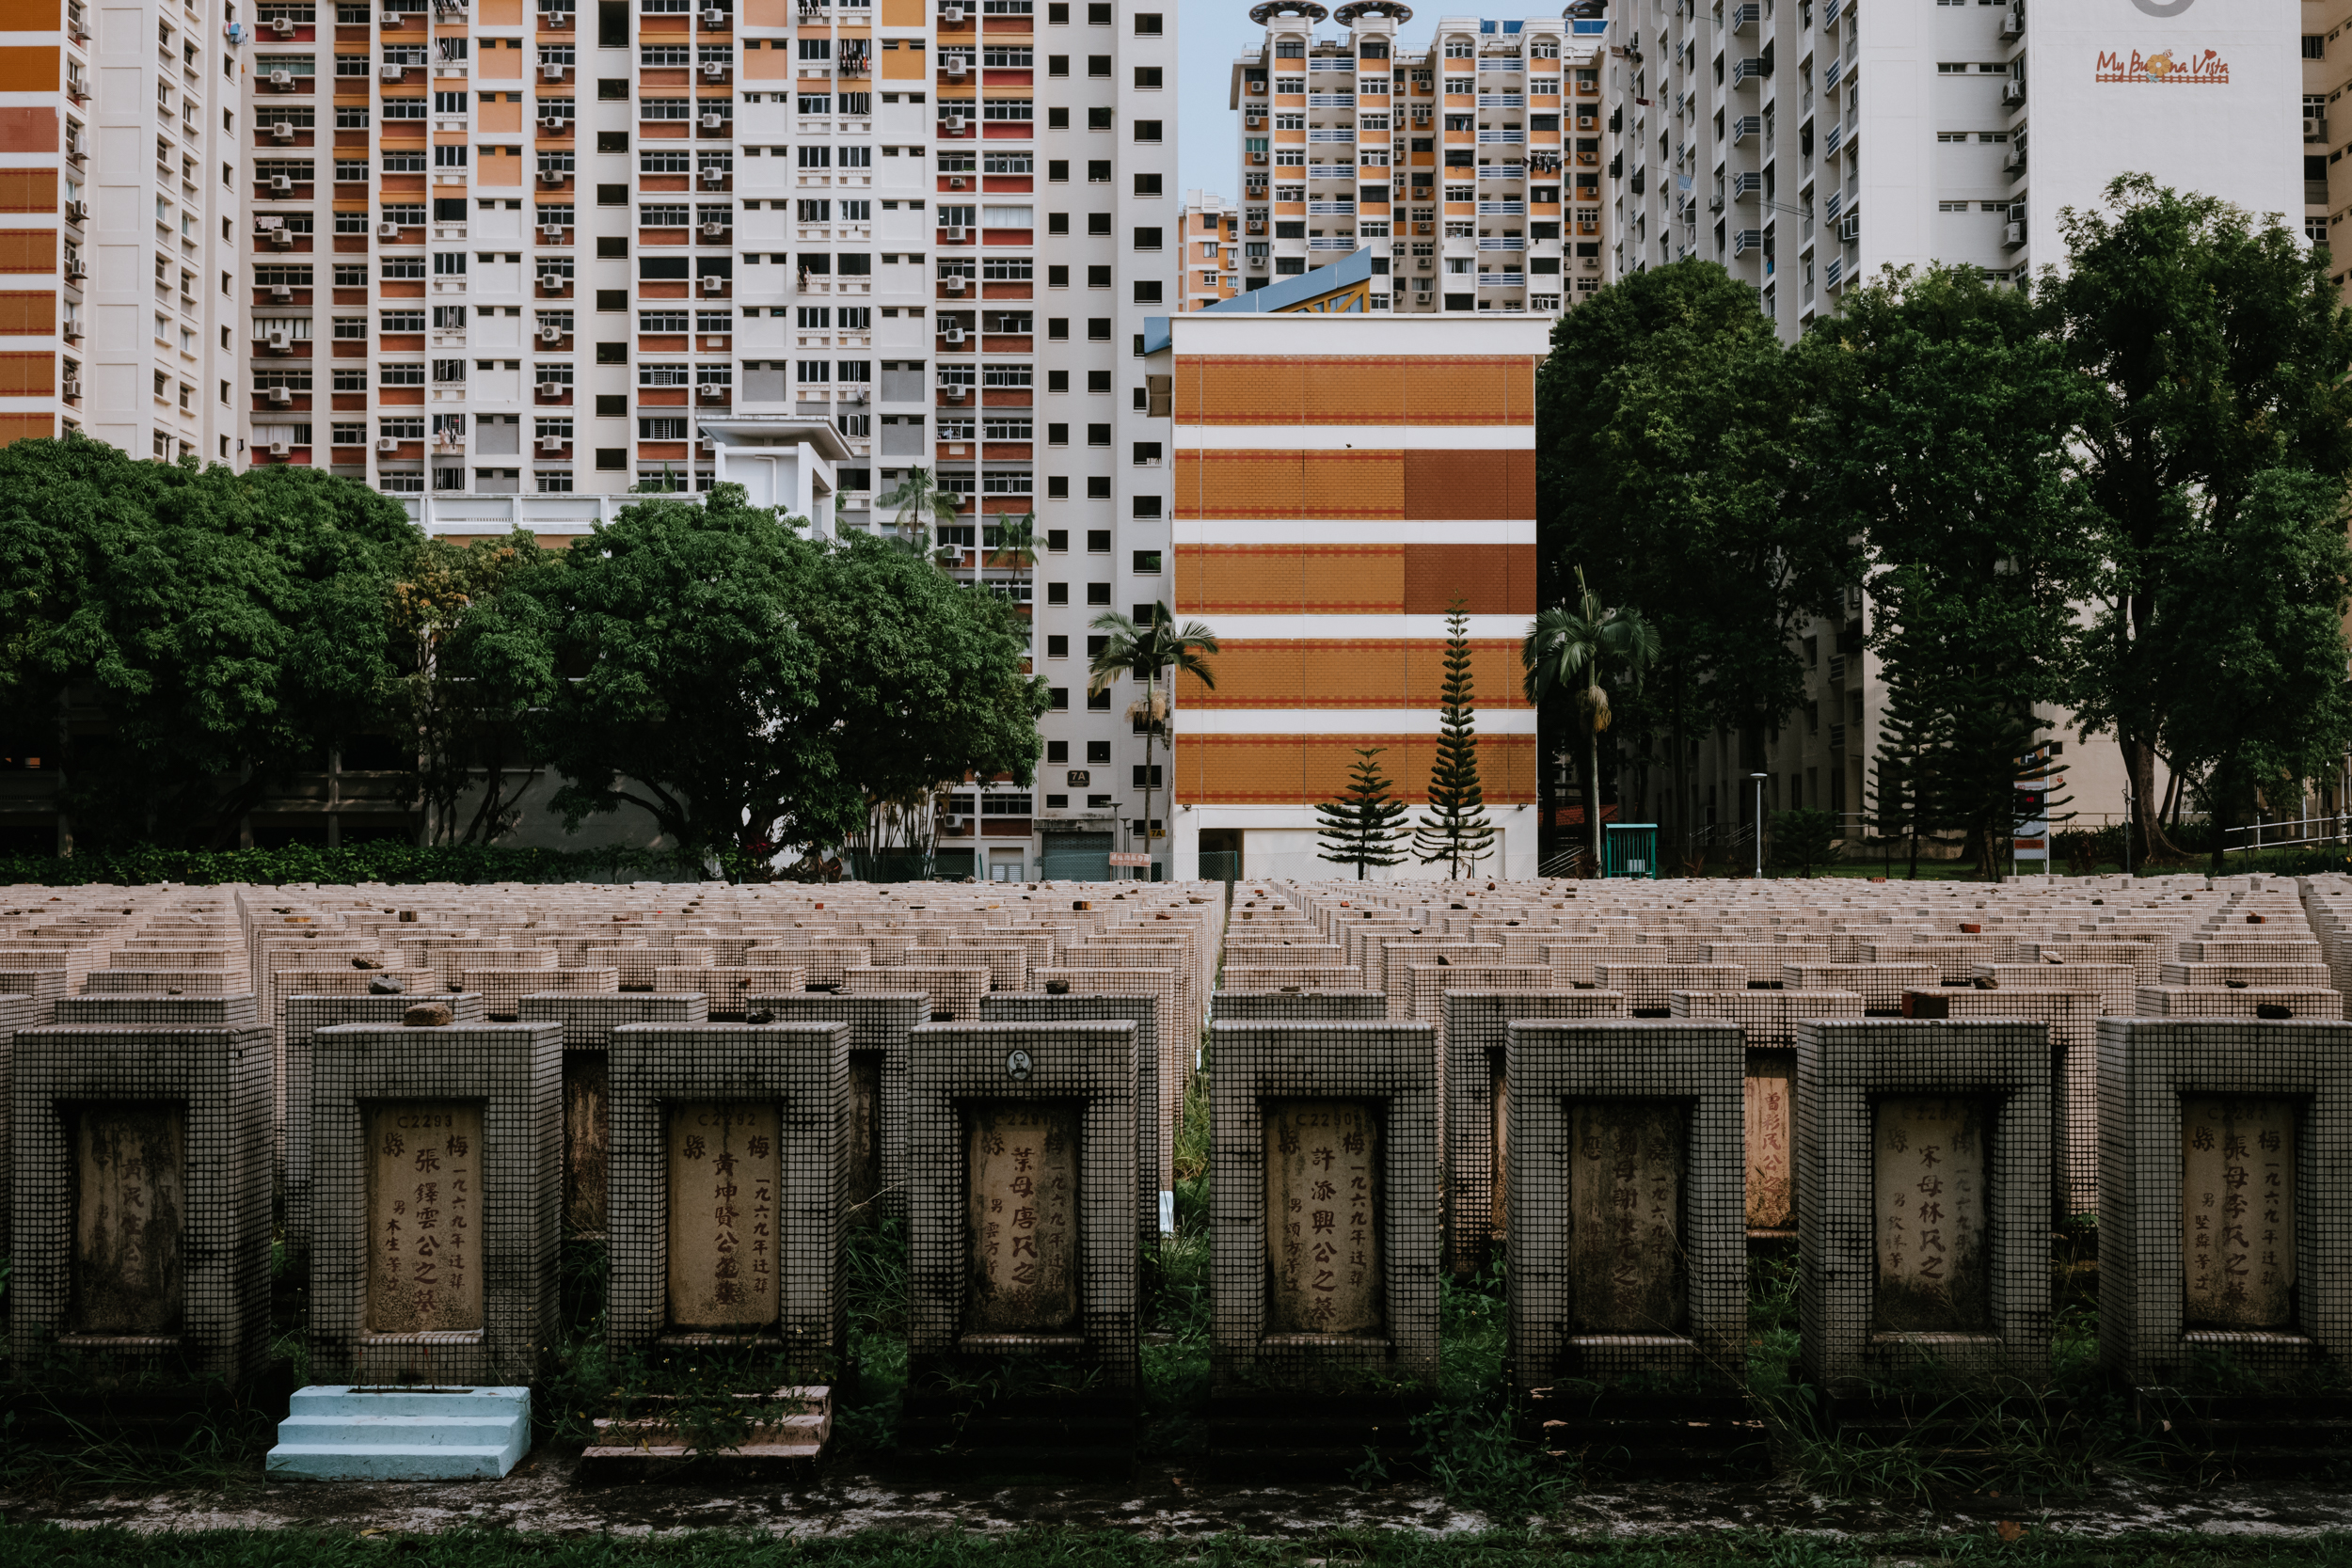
point(116, 216)
point(1470, 166)
point(511, 264)
point(1208, 270)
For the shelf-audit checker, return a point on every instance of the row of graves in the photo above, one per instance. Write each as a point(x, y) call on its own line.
point(428, 1090)
point(1623, 1089)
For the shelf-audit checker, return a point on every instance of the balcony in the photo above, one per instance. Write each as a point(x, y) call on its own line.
point(1748, 72)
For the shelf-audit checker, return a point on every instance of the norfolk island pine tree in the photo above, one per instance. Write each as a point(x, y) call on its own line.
point(1454, 828)
point(1361, 827)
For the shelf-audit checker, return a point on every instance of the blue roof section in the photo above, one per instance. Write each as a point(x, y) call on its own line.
point(1286, 292)
point(1588, 26)
point(1157, 336)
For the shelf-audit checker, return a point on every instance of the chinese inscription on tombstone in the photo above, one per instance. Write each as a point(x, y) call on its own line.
point(2237, 1209)
point(129, 1173)
point(1625, 1207)
point(424, 1165)
point(1323, 1217)
point(1022, 1211)
point(586, 1129)
point(1934, 1257)
point(1770, 1091)
point(723, 1184)
point(865, 1132)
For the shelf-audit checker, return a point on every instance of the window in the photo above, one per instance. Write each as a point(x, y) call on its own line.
point(2314, 46)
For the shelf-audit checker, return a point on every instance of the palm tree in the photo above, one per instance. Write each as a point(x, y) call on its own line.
point(1012, 539)
point(922, 506)
point(1145, 652)
point(1566, 645)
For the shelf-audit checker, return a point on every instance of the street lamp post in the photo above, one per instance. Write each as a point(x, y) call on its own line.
point(1758, 780)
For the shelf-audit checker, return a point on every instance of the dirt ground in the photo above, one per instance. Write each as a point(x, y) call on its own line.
point(542, 1496)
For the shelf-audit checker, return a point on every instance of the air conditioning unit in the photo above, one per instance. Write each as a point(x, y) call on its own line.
point(279, 396)
point(714, 17)
point(957, 181)
point(713, 231)
point(393, 18)
point(713, 285)
point(72, 388)
point(557, 20)
point(950, 394)
point(282, 25)
point(77, 212)
point(2014, 234)
point(1253, 121)
point(553, 176)
point(2012, 24)
point(952, 234)
point(954, 124)
point(392, 73)
point(554, 73)
point(714, 71)
point(283, 292)
point(280, 185)
point(550, 390)
point(953, 336)
point(1590, 263)
point(282, 131)
point(952, 15)
point(276, 342)
point(280, 80)
point(553, 280)
point(1715, 202)
point(713, 180)
point(1255, 226)
point(277, 448)
point(75, 271)
point(714, 122)
point(711, 394)
point(387, 230)
point(385, 443)
point(552, 443)
point(953, 70)
point(281, 239)
point(953, 285)
point(2014, 160)
point(76, 149)
point(2013, 93)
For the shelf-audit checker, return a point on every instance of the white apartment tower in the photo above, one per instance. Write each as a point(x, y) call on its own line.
point(510, 264)
point(1469, 164)
point(1806, 144)
point(117, 209)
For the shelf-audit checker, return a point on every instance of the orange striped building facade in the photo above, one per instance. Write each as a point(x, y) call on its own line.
point(1340, 483)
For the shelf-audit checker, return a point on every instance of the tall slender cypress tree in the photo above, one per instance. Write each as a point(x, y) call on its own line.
point(1360, 828)
point(1454, 828)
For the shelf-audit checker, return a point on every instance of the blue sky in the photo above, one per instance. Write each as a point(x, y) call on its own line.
point(1209, 33)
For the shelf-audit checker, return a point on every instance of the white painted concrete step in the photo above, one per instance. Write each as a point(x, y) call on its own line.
point(339, 1432)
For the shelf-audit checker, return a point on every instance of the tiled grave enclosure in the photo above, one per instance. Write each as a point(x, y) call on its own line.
point(1015, 1056)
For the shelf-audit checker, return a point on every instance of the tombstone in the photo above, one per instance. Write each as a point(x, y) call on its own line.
point(1029, 1258)
point(730, 1151)
point(588, 1020)
point(305, 1016)
point(1768, 1025)
point(141, 1197)
point(2072, 1016)
point(1477, 1135)
point(1628, 1234)
point(1326, 1242)
point(17, 1012)
point(1156, 1206)
point(1299, 1004)
point(880, 1026)
point(437, 1191)
point(1923, 1178)
point(2220, 1203)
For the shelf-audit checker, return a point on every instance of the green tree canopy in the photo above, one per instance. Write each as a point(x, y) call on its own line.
point(230, 627)
point(750, 687)
point(1670, 464)
point(2215, 350)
